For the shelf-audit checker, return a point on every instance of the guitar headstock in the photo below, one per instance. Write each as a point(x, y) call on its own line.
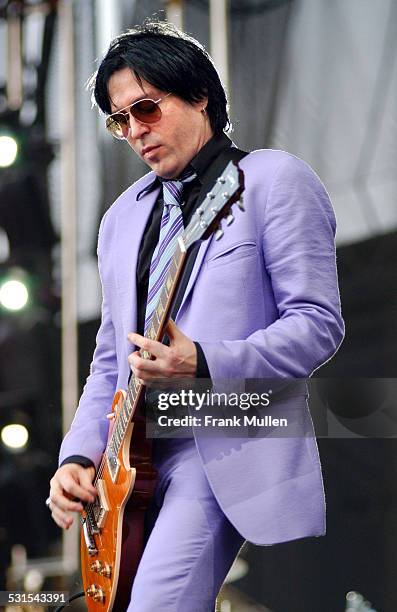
point(217, 205)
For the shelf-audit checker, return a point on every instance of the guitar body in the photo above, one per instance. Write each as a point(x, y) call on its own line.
point(112, 527)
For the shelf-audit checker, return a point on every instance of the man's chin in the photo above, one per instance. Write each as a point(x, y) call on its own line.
point(164, 169)
point(165, 172)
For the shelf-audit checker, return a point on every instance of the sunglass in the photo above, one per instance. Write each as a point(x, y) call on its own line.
point(145, 111)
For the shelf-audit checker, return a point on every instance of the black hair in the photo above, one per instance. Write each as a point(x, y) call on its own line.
point(168, 59)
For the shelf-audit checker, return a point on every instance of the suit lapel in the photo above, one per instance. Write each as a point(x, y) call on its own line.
point(131, 227)
point(195, 270)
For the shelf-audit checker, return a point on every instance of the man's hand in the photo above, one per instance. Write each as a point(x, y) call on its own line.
point(69, 482)
point(179, 360)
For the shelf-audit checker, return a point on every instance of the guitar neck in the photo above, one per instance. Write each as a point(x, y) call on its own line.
point(156, 329)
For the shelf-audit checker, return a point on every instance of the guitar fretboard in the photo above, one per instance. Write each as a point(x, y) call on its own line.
point(155, 332)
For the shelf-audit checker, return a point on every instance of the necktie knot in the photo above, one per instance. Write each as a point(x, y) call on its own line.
point(173, 189)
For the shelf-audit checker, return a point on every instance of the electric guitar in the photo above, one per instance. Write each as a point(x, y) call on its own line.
point(112, 526)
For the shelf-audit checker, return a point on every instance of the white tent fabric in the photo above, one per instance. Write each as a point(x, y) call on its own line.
point(337, 107)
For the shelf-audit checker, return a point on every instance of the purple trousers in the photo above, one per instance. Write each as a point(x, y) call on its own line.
point(190, 545)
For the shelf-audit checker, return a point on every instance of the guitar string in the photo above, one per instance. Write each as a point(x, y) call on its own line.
point(90, 505)
point(102, 465)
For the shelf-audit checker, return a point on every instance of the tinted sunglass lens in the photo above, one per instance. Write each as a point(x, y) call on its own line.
point(146, 111)
point(118, 126)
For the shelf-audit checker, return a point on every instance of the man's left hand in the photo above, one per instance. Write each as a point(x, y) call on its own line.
point(179, 360)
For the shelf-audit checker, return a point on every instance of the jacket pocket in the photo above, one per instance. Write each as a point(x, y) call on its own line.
point(237, 251)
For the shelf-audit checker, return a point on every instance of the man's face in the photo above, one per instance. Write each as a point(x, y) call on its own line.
point(168, 145)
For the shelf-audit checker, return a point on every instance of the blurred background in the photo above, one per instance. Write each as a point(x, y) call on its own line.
point(317, 78)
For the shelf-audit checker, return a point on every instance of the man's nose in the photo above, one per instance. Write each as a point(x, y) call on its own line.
point(137, 129)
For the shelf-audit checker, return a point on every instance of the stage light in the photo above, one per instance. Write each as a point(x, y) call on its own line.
point(14, 436)
point(14, 294)
point(8, 151)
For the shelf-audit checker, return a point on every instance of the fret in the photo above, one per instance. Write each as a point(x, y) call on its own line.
point(132, 387)
point(173, 269)
point(119, 433)
point(123, 416)
point(115, 436)
point(164, 293)
point(120, 422)
point(127, 406)
point(126, 417)
point(156, 320)
point(131, 397)
point(171, 273)
point(160, 308)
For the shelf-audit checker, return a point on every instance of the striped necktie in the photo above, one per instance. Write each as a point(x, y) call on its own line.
point(170, 229)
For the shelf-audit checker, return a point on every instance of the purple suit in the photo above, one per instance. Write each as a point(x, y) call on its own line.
point(263, 302)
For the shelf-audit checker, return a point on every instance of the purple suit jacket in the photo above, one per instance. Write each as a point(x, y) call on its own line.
point(263, 302)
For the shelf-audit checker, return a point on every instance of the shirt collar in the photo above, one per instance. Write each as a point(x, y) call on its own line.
point(199, 163)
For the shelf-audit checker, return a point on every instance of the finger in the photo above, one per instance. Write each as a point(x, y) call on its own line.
point(62, 502)
point(86, 479)
point(173, 331)
point(143, 365)
point(151, 346)
point(62, 519)
point(68, 484)
point(146, 370)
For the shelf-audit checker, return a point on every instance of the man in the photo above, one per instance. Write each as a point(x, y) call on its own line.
point(261, 303)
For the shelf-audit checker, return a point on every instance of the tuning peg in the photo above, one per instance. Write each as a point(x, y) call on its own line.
point(219, 233)
point(229, 219)
point(240, 203)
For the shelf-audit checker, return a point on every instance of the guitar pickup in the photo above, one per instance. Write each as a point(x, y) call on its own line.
point(89, 540)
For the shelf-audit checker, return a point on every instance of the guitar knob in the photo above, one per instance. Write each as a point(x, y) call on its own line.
point(106, 570)
point(96, 566)
point(218, 234)
point(229, 219)
point(99, 595)
point(95, 592)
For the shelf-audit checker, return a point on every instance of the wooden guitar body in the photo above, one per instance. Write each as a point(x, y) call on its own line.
point(112, 526)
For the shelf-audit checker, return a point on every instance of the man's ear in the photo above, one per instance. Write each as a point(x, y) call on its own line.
point(201, 105)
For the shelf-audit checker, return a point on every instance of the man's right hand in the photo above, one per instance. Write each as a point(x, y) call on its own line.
point(69, 482)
